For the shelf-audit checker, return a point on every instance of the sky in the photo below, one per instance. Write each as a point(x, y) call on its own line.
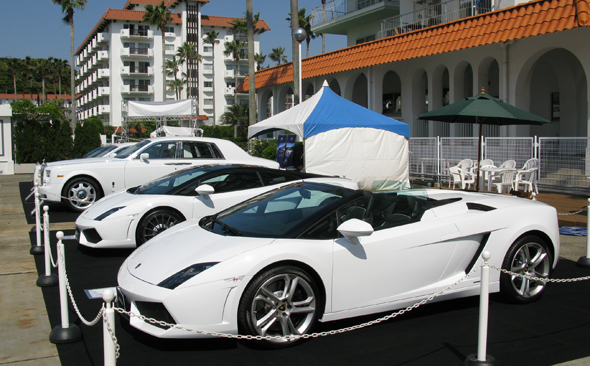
point(35, 27)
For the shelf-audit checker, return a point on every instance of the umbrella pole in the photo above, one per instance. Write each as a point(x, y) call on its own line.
point(479, 119)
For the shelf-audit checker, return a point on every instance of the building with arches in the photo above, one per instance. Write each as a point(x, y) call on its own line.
point(415, 56)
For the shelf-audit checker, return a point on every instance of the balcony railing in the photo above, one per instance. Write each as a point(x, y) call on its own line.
point(127, 70)
point(431, 15)
point(139, 33)
point(137, 89)
point(337, 8)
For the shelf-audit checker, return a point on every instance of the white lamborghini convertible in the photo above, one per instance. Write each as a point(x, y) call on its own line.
point(307, 252)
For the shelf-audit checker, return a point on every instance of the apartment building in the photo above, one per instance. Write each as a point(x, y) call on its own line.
point(121, 60)
point(405, 57)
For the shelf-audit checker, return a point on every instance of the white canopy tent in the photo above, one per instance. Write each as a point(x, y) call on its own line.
point(161, 112)
point(342, 138)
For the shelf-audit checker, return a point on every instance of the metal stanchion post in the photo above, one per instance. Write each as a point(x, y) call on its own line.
point(48, 279)
point(37, 248)
point(482, 358)
point(66, 332)
point(585, 261)
point(108, 329)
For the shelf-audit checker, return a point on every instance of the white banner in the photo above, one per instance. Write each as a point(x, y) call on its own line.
point(149, 109)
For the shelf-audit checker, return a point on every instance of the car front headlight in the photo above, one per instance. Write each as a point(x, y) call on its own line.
point(186, 274)
point(108, 213)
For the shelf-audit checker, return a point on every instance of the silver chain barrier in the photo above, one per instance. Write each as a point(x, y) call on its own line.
point(539, 279)
point(573, 213)
point(53, 263)
point(86, 322)
point(305, 336)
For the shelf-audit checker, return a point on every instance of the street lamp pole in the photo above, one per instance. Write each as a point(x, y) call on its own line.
point(299, 35)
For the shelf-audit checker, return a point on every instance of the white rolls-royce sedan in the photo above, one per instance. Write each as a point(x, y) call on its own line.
point(81, 182)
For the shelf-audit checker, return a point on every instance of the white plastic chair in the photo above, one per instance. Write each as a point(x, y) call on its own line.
point(506, 179)
point(508, 164)
point(527, 176)
point(461, 176)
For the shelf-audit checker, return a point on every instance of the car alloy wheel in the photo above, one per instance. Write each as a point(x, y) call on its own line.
point(528, 256)
point(155, 223)
point(81, 193)
point(280, 302)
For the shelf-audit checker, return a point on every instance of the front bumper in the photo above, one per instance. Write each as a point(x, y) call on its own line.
point(114, 233)
point(202, 308)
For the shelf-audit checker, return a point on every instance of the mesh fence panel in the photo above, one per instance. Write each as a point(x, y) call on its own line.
point(424, 156)
point(500, 149)
point(564, 162)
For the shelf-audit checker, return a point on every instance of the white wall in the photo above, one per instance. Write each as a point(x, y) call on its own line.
point(6, 162)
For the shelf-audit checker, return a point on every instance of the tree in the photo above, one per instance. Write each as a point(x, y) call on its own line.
point(68, 7)
point(177, 85)
point(172, 67)
point(211, 38)
point(305, 23)
point(295, 51)
point(44, 67)
point(236, 49)
point(87, 136)
point(29, 72)
point(159, 16)
point(259, 58)
point(188, 53)
point(251, 56)
point(14, 65)
point(237, 115)
point(61, 66)
point(278, 55)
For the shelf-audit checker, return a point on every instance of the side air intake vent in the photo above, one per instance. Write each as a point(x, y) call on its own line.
point(479, 207)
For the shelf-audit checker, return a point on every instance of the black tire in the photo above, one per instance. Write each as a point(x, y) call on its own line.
point(265, 300)
point(529, 255)
point(155, 223)
point(81, 193)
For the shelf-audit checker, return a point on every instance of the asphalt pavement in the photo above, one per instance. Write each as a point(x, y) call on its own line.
point(27, 320)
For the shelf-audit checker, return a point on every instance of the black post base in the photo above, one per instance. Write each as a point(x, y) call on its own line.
point(70, 334)
point(473, 361)
point(583, 262)
point(47, 280)
point(37, 250)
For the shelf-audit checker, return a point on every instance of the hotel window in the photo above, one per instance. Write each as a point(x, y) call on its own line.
point(208, 101)
point(207, 49)
point(208, 84)
point(169, 29)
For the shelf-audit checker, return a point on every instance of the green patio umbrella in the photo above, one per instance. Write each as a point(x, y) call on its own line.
point(483, 109)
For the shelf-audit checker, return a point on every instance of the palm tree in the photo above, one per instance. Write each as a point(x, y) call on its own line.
point(68, 7)
point(188, 53)
point(211, 38)
point(236, 49)
point(278, 55)
point(259, 58)
point(159, 16)
point(177, 85)
point(305, 23)
point(237, 115)
point(43, 67)
point(251, 81)
point(172, 67)
point(29, 74)
point(14, 65)
point(61, 66)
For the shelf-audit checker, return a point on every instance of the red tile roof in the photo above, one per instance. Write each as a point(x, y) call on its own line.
point(118, 14)
point(154, 2)
point(524, 20)
point(215, 21)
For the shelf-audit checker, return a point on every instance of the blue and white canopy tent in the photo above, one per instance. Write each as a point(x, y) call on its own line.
point(342, 138)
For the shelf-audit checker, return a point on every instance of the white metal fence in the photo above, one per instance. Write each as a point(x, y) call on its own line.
point(564, 161)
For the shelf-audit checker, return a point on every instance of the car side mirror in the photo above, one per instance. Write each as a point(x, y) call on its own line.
point(205, 190)
point(144, 157)
point(354, 228)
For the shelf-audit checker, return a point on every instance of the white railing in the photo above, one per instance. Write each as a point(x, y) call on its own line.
point(430, 15)
point(564, 162)
point(337, 8)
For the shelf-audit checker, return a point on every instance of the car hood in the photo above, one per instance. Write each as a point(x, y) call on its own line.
point(82, 161)
point(182, 246)
point(117, 199)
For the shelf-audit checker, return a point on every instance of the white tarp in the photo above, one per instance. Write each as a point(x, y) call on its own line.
point(342, 138)
point(176, 131)
point(378, 160)
point(149, 109)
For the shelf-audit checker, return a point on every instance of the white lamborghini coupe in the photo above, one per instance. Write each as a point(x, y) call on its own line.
point(130, 218)
point(307, 252)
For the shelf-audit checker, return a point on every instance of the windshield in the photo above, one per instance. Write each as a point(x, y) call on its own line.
point(132, 149)
point(281, 213)
point(99, 151)
point(174, 181)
